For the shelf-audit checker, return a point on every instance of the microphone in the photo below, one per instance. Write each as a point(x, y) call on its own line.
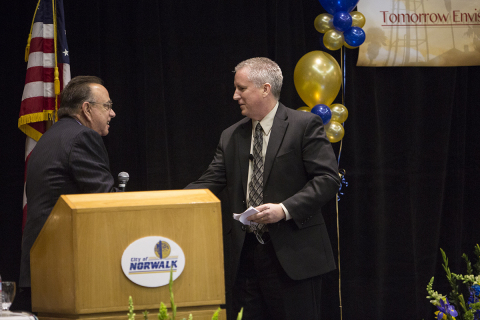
point(250, 157)
point(122, 180)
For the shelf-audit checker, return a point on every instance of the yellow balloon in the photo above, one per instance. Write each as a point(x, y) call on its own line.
point(323, 22)
point(339, 112)
point(305, 109)
point(358, 19)
point(334, 131)
point(349, 46)
point(317, 77)
point(333, 39)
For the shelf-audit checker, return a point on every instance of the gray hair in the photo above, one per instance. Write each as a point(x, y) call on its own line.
point(261, 71)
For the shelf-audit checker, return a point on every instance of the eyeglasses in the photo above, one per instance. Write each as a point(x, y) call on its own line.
point(108, 106)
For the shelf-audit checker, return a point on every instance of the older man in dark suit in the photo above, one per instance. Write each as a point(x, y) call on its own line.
point(279, 161)
point(69, 158)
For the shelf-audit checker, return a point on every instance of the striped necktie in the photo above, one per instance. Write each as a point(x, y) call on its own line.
point(256, 183)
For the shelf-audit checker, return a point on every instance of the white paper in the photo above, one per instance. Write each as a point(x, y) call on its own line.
point(242, 217)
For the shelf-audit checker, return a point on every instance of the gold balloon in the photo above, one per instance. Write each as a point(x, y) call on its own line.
point(334, 131)
point(305, 109)
point(317, 78)
point(323, 22)
point(349, 46)
point(333, 39)
point(339, 112)
point(358, 19)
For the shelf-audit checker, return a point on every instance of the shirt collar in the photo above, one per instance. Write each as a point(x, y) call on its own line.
point(267, 121)
point(74, 118)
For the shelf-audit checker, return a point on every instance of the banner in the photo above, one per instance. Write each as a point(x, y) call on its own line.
point(433, 33)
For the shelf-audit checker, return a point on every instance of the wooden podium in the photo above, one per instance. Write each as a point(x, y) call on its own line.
point(76, 259)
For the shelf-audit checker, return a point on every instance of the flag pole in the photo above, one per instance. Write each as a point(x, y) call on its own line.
point(56, 81)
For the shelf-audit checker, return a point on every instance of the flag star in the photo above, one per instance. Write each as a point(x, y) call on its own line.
point(65, 52)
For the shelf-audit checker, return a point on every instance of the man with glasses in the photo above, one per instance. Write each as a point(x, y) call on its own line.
point(280, 162)
point(70, 158)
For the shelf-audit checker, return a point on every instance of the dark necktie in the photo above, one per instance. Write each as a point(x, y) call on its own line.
point(256, 183)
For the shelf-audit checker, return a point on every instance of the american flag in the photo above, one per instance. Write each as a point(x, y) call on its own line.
point(39, 98)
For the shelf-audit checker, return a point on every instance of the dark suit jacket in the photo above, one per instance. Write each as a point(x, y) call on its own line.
point(300, 172)
point(68, 159)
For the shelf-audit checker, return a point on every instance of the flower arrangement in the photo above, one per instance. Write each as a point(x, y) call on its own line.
point(163, 312)
point(454, 307)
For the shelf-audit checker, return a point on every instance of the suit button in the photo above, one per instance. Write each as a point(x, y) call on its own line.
point(244, 228)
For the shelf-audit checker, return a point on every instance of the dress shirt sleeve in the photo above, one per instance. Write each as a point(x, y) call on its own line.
point(287, 214)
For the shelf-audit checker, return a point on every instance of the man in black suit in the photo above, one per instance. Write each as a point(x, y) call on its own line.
point(276, 269)
point(69, 158)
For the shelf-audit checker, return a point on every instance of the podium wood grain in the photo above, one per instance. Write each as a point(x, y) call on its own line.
point(76, 260)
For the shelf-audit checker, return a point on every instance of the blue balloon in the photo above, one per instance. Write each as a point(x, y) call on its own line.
point(323, 111)
point(354, 36)
point(342, 21)
point(333, 6)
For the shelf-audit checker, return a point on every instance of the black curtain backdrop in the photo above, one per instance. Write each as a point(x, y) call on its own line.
point(411, 150)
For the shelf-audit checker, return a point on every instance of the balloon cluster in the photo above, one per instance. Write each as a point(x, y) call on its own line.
point(340, 25)
point(318, 76)
point(332, 118)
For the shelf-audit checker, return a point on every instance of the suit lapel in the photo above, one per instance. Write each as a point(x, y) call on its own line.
point(243, 151)
point(279, 128)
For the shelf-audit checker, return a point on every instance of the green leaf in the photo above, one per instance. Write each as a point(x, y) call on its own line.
point(240, 314)
point(454, 295)
point(163, 314)
point(215, 315)
point(476, 266)
point(130, 314)
point(469, 264)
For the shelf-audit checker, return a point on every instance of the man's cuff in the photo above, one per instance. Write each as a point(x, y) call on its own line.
point(287, 215)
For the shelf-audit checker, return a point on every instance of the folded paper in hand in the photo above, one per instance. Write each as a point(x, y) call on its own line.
point(242, 217)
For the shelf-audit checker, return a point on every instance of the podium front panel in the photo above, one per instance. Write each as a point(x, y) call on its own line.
point(76, 260)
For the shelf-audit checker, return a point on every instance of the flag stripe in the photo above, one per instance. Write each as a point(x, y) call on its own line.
point(41, 30)
point(40, 59)
point(35, 74)
point(38, 88)
point(65, 69)
point(30, 105)
point(42, 45)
